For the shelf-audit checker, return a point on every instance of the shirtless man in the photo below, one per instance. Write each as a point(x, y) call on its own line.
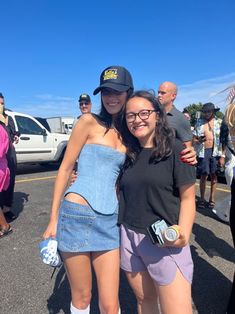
point(209, 150)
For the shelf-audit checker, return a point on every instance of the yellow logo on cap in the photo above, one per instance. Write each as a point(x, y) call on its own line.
point(110, 74)
point(83, 96)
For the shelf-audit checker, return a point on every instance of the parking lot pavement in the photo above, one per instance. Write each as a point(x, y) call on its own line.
point(26, 286)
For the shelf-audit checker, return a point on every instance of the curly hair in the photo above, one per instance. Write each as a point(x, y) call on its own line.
point(163, 137)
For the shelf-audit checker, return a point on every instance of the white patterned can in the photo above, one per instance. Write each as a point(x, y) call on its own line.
point(171, 234)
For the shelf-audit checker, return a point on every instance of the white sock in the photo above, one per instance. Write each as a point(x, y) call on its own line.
point(74, 310)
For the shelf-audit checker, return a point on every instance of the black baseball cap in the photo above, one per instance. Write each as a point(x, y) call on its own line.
point(115, 77)
point(84, 97)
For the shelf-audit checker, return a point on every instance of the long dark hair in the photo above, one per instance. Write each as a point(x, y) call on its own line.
point(164, 136)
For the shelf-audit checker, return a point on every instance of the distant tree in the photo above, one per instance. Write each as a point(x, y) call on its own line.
point(220, 114)
point(193, 108)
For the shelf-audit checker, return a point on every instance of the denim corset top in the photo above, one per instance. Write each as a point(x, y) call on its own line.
point(98, 169)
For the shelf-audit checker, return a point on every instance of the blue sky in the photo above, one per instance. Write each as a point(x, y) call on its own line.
point(54, 50)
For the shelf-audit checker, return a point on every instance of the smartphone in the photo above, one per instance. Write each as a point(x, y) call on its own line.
point(156, 230)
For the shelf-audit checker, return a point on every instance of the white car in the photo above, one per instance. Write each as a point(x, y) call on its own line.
point(36, 144)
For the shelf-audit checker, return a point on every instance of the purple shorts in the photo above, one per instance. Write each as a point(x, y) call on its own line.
point(139, 254)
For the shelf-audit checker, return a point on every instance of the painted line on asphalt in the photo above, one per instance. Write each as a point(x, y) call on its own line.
point(53, 177)
point(35, 179)
point(219, 189)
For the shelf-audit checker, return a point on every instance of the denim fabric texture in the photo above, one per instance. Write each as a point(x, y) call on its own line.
point(98, 169)
point(81, 229)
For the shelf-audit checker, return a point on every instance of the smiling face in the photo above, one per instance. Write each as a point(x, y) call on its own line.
point(112, 100)
point(141, 120)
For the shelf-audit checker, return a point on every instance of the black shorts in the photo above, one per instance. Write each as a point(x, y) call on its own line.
point(208, 164)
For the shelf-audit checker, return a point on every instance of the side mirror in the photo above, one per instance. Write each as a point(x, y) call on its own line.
point(44, 132)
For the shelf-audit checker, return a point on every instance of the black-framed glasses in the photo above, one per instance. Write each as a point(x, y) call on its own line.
point(142, 114)
point(85, 103)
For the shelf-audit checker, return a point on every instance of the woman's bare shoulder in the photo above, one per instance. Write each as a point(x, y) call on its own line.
point(88, 119)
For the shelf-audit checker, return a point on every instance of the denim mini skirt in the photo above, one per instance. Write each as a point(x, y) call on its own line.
point(81, 229)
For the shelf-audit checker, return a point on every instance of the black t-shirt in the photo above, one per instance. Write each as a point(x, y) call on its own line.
point(149, 191)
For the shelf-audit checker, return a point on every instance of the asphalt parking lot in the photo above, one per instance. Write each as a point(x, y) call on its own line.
point(26, 286)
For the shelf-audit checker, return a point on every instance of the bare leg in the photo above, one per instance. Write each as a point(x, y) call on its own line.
point(203, 186)
point(107, 267)
point(175, 297)
point(78, 269)
point(145, 292)
point(213, 187)
point(3, 222)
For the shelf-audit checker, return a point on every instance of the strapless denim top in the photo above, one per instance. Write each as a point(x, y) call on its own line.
point(98, 169)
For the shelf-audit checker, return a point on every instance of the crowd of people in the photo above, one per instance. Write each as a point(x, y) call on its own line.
point(136, 178)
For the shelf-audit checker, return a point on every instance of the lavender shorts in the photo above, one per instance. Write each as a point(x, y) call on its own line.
point(139, 254)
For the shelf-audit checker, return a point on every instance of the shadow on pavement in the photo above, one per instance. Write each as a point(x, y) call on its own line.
point(207, 212)
point(20, 199)
point(36, 168)
point(61, 297)
point(212, 245)
point(210, 289)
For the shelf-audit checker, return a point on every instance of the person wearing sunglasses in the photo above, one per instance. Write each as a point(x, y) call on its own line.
point(156, 189)
point(84, 104)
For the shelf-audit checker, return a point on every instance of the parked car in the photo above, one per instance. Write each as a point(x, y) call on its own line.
point(36, 143)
